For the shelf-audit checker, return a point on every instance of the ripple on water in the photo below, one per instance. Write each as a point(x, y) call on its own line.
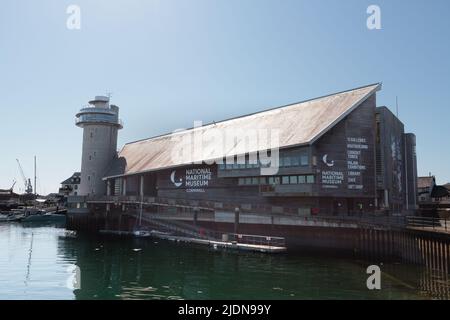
point(34, 265)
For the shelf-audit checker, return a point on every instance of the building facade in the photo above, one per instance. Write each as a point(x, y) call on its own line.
point(335, 155)
point(396, 163)
point(71, 186)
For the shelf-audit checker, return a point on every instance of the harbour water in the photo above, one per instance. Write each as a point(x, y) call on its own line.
point(40, 262)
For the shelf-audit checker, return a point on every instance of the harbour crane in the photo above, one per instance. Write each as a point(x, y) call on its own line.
point(27, 182)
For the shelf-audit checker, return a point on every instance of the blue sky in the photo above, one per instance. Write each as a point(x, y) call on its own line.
point(170, 62)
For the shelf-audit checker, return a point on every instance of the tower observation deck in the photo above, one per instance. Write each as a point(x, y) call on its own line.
point(100, 123)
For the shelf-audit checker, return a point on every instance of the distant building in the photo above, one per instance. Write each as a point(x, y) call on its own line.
point(70, 186)
point(425, 186)
point(338, 155)
point(434, 200)
point(8, 199)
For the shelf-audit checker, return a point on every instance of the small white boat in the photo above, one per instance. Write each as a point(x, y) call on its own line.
point(142, 234)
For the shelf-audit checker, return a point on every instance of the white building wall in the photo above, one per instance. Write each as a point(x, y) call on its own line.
point(99, 149)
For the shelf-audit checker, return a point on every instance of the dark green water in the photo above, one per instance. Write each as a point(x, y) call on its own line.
point(36, 263)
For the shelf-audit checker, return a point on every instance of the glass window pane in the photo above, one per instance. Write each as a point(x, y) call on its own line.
point(301, 179)
point(304, 160)
point(262, 180)
point(285, 180)
point(310, 179)
point(271, 180)
point(255, 181)
point(295, 161)
point(248, 181)
point(241, 181)
point(277, 180)
point(293, 180)
point(287, 162)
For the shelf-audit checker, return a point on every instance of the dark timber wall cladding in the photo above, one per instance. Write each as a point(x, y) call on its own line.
point(411, 171)
point(346, 155)
point(392, 153)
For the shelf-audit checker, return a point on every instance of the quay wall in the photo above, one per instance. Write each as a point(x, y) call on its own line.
point(376, 244)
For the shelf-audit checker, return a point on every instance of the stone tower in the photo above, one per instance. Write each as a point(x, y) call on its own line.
point(100, 122)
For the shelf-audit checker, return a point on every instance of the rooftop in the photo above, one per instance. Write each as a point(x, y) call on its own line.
point(299, 124)
point(425, 182)
point(69, 180)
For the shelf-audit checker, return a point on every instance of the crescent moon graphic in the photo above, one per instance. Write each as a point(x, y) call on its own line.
point(172, 178)
point(325, 160)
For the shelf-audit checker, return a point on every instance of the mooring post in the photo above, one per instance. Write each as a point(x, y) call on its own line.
point(236, 219)
point(196, 209)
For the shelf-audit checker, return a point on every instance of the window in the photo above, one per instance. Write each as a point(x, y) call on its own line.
point(285, 180)
point(287, 162)
point(304, 160)
point(295, 161)
point(263, 180)
point(255, 181)
point(301, 179)
point(248, 181)
point(293, 180)
point(241, 181)
point(76, 187)
point(310, 179)
point(89, 178)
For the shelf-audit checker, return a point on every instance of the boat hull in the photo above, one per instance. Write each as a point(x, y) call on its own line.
point(45, 218)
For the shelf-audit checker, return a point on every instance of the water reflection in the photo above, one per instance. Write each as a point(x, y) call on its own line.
point(121, 268)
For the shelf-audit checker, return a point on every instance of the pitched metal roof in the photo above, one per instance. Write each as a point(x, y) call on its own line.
point(298, 124)
point(69, 180)
point(425, 182)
